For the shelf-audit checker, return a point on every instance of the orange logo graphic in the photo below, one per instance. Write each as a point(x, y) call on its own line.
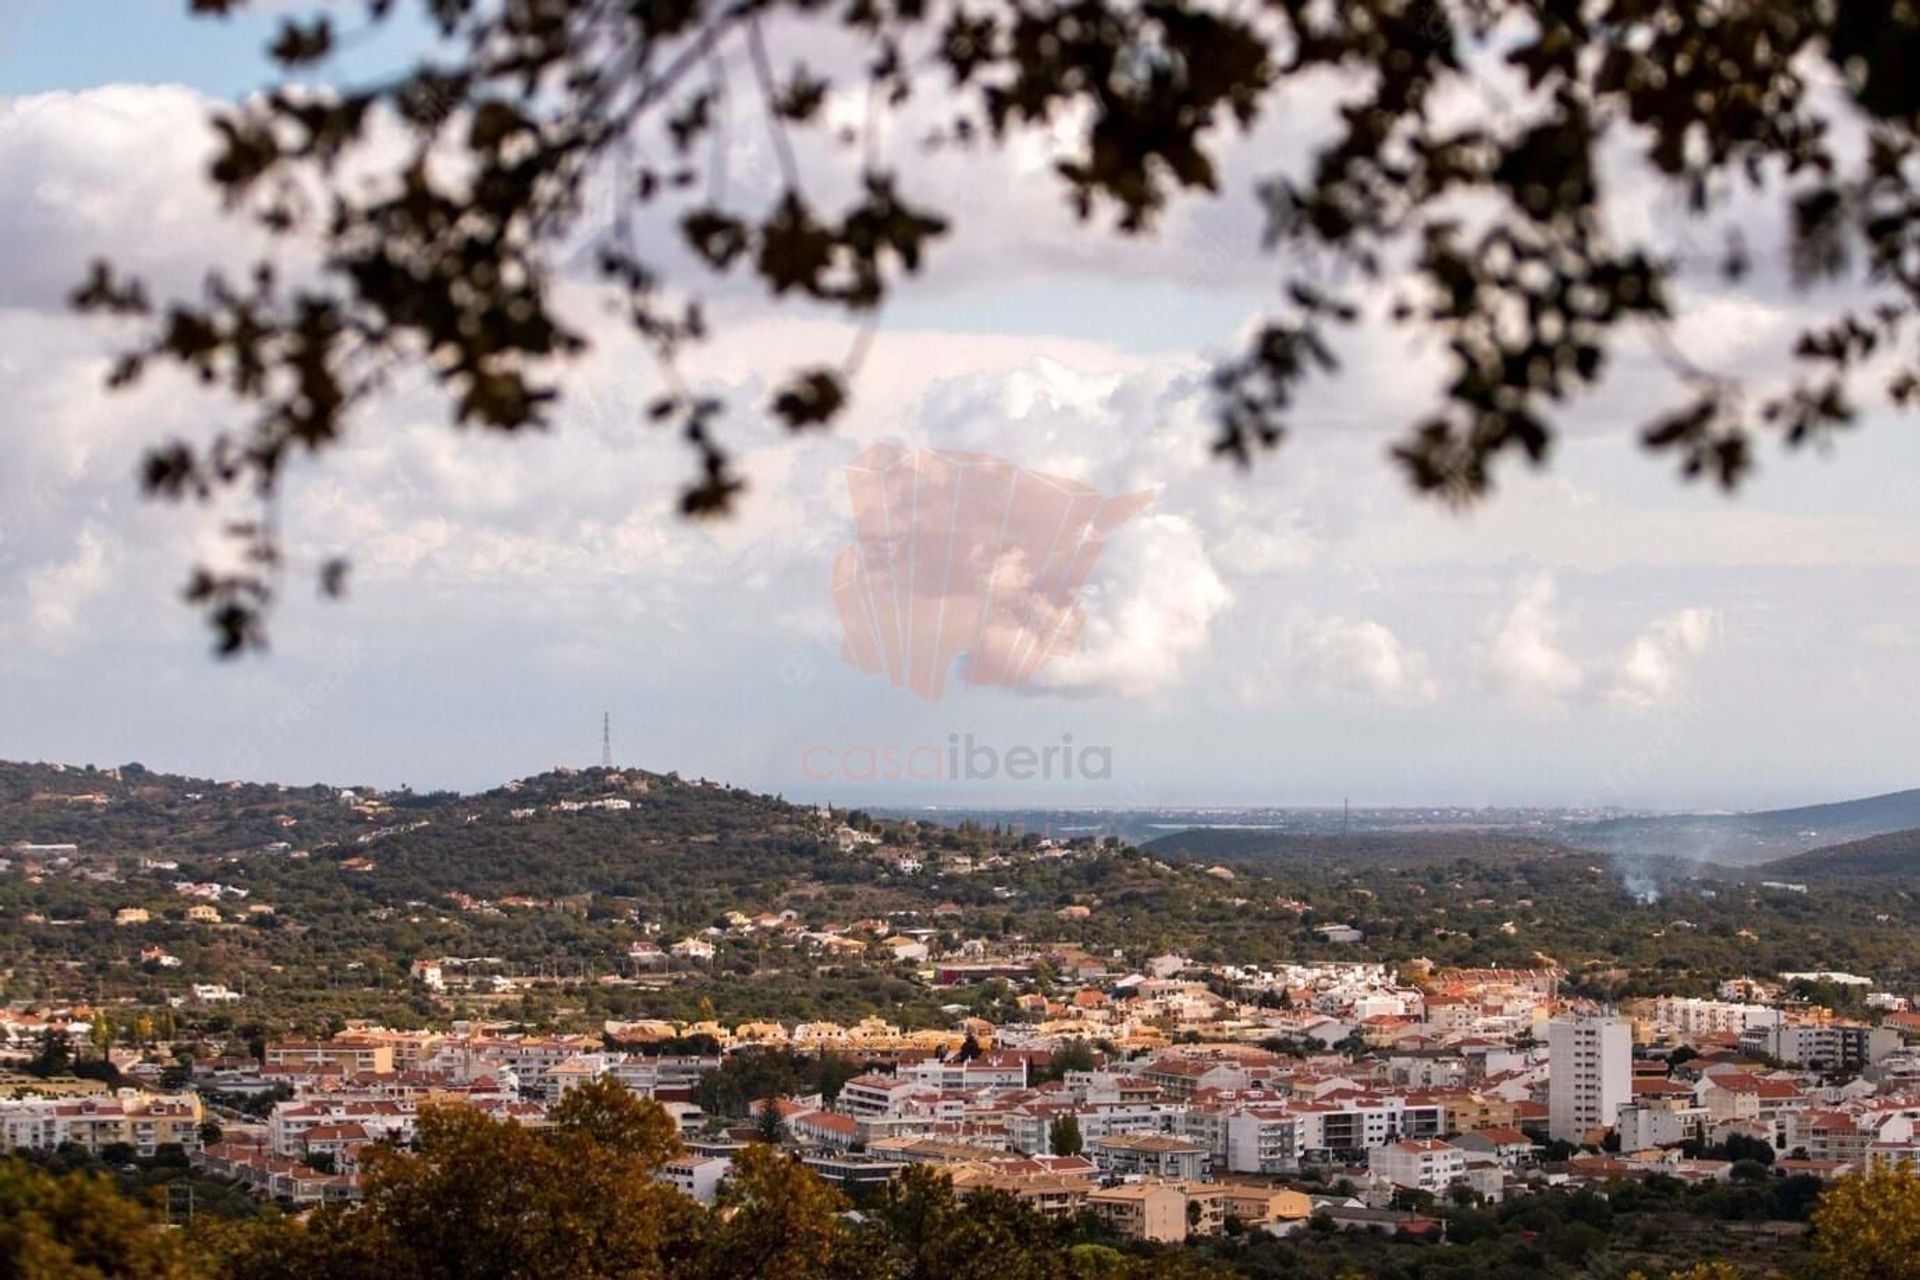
point(966, 554)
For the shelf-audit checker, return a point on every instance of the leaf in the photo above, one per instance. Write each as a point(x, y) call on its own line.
point(813, 399)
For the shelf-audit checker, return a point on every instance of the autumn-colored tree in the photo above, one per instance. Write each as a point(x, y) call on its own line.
point(934, 1235)
point(78, 1227)
point(1867, 1226)
point(485, 1198)
point(613, 1119)
point(779, 1221)
point(1698, 1271)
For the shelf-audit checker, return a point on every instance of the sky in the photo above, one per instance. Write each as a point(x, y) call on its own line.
point(1597, 634)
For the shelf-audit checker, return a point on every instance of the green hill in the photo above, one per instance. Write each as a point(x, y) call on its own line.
point(1894, 857)
point(1748, 839)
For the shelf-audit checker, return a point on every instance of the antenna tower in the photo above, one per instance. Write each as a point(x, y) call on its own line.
point(606, 740)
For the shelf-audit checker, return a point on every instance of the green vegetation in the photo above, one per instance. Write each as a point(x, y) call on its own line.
point(553, 900)
point(1891, 860)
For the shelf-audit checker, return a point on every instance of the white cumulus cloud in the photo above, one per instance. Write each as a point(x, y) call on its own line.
point(1655, 665)
point(1149, 612)
point(1359, 655)
point(1520, 653)
point(58, 593)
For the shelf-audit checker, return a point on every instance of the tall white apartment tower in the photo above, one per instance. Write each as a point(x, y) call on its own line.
point(1589, 1074)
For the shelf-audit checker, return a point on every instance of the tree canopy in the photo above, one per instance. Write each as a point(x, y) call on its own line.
point(1867, 1227)
point(483, 1197)
point(1461, 194)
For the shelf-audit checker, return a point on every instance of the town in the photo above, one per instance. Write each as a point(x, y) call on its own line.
point(1375, 1052)
point(1145, 1098)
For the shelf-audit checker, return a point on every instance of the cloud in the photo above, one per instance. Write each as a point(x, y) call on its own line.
point(556, 557)
point(1359, 655)
point(119, 171)
point(57, 594)
point(1520, 655)
point(1149, 613)
point(1655, 665)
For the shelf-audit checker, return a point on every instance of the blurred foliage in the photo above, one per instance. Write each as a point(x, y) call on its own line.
point(1459, 194)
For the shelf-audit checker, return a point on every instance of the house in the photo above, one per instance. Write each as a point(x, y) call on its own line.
point(1422, 1164)
point(1053, 1193)
point(1153, 1155)
point(824, 1128)
point(203, 913)
point(132, 915)
point(1507, 1147)
point(1155, 1211)
point(876, 1095)
point(905, 950)
point(144, 1122)
point(1264, 1208)
point(697, 1177)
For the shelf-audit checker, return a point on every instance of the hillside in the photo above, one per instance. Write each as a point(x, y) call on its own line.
point(1894, 857)
point(314, 901)
point(621, 833)
point(1747, 839)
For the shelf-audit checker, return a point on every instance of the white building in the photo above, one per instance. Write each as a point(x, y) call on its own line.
point(1692, 1017)
point(876, 1095)
point(1009, 1072)
point(1824, 1046)
point(1262, 1139)
point(697, 1176)
point(1660, 1122)
point(1423, 1164)
point(1589, 1074)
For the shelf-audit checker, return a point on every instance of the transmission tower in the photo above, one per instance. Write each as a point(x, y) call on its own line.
point(606, 740)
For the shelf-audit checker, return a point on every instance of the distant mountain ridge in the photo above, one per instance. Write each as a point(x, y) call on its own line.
point(1890, 857)
point(1751, 839)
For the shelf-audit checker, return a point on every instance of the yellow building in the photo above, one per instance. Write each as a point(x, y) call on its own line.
point(1260, 1206)
point(1052, 1194)
point(1465, 1112)
point(344, 1057)
point(1142, 1210)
